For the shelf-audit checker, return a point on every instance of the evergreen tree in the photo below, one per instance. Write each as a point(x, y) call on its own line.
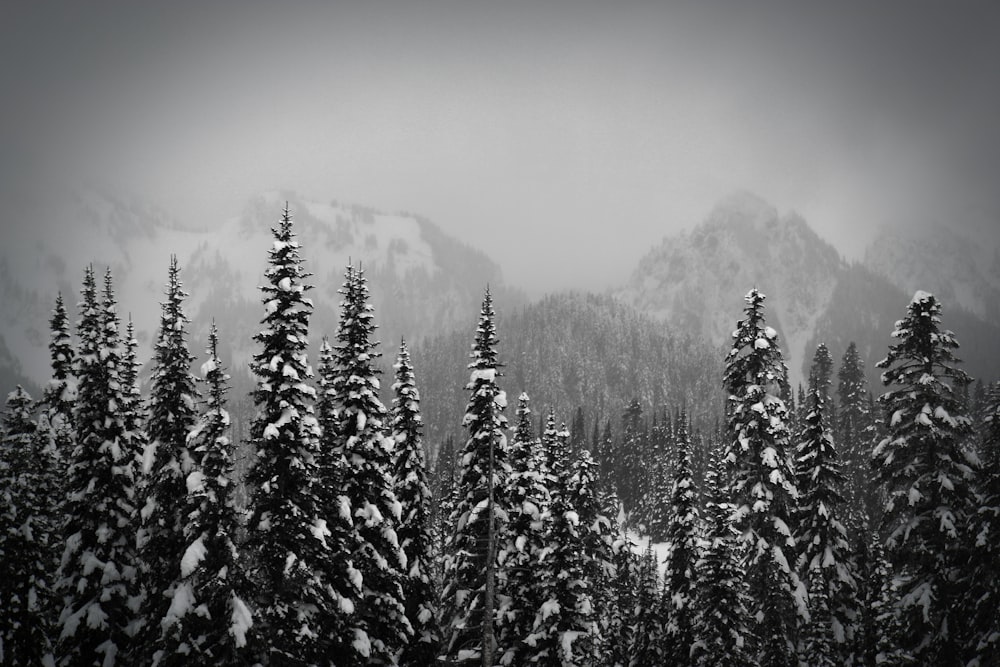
point(646, 616)
point(986, 556)
point(628, 459)
point(207, 620)
point(597, 532)
point(927, 475)
point(523, 541)
point(166, 461)
point(682, 554)
point(563, 625)
point(26, 476)
point(285, 531)
point(619, 631)
point(480, 508)
point(358, 425)
point(414, 534)
point(56, 419)
point(340, 622)
point(854, 433)
point(721, 633)
point(98, 619)
point(824, 560)
point(763, 486)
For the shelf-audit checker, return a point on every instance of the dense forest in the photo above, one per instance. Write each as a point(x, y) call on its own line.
point(345, 523)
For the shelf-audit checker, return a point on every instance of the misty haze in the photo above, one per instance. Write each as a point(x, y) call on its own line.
point(523, 333)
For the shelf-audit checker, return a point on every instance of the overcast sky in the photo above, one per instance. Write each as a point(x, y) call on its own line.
point(561, 138)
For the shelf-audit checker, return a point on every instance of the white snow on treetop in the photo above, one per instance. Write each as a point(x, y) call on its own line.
point(920, 296)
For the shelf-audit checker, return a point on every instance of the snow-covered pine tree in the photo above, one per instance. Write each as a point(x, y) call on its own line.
point(628, 460)
point(414, 532)
point(682, 539)
point(207, 620)
point(561, 635)
point(872, 586)
point(56, 429)
point(358, 431)
point(658, 495)
point(342, 626)
point(98, 619)
point(647, 615)
point(986, 554)
point(763, 485)
point(854, 433)
point(617, 621)
point(56, 418)
point(722, 624)
point(522, 542)
point(597, 533)
point(928, 476)
point(824, 559)
point(284, 540)
point(478, 516)
point(27, 474)
point(166, 462)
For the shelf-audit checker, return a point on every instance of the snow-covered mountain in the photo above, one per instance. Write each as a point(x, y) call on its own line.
point(422, 281)
point(696, 281)
point(954, 265)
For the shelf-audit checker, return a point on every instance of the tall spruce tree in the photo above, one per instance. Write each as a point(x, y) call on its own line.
point(722, 631)
point(26, 535)
point(285, 532)
point(167, 461)
point(564, 622)
point(414, 533)
point(763, 485)
point(682, 553)
point(480, 508)
point(207, 620)
point(522, 542)
point(339, 620)
point(986, 557)
point(56, 418)
point(927, 473)
point(620, 633)
point(854, 433)
point(647, 615)
point(98, 619)
point(824, 559)
point(358, 425)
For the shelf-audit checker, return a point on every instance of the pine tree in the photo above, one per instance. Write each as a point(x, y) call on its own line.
point(597, 532)
point(824, 560)
point(359, 421)
point(721, 633)
point(26, 475)
point(56, 419)
point(854, 433)
point(166, 461)
point(340, 622)
point(682, 554)
point(523, 541)
point(414, 532)
point(619, 631)
point(647, 615)
point(986, 526)
point(285, 530)
point(480, 508)
point(563, 625)
point(207, 620)
point(98, 619)
point(927, 475)
point(763, 486)
point(628, 462)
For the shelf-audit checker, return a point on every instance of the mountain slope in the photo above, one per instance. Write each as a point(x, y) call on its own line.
point(422, 281)
point(696, 282)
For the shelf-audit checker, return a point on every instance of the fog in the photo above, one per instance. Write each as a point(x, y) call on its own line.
point(561, 138)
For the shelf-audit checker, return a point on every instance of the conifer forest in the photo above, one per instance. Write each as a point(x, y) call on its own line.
point(155, 516)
